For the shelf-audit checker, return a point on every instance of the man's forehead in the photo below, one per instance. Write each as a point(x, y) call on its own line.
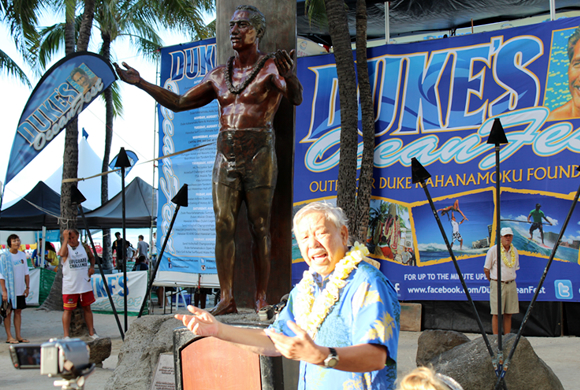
point(241, 16)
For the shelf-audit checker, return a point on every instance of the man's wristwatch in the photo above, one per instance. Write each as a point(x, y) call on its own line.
point(332, 359)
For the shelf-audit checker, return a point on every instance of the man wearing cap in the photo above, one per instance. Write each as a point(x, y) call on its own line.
point(510, 263)
point(537, 214)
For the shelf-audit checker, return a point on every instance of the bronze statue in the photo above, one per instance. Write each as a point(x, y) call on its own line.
point(249, 89)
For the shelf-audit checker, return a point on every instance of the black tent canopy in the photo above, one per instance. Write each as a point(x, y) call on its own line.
point(40, 207)
point(140, 208)
point(407, 17)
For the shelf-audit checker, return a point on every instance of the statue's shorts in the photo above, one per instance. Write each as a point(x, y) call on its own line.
point(246, 159)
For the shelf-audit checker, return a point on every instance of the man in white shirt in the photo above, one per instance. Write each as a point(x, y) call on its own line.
point(78, 265)
point(510, 263)
point(15, 284)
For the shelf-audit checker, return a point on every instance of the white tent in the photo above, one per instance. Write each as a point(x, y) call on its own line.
point(90, 164)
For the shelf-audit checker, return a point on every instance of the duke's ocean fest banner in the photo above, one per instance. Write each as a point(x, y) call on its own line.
point(436, 100)
point(190, 247)
point(62, 93)
point(136, 289)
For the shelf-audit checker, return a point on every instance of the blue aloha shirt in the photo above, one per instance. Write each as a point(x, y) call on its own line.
point(367, 312)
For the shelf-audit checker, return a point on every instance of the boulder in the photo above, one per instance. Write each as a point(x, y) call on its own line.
point(434, 342)
point(471, 366)
point(146, 339)
point(100, 349)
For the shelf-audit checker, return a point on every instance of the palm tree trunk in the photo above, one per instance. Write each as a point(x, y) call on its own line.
point(338, 27)
point(359, 230)
point(109, 112)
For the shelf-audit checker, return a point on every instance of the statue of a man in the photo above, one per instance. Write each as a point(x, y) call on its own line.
point(249, 89)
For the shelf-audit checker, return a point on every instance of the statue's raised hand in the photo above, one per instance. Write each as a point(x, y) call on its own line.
point(128, 75)
point(284, 62)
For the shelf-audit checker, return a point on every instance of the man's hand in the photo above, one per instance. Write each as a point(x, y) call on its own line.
point(130, 75)
point(26, 292)
point(4, 295)
point(301, 347)
point(91, 270)
point(201, 323)
point(284, 62)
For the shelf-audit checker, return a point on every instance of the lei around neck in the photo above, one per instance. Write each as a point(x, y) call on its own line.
point(512, 260)
point(310, 312)
point(256, 68)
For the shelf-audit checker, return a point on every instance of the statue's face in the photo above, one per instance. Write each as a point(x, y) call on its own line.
point(242, 33)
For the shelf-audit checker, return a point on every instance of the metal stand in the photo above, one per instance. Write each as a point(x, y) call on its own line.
point(180, 200)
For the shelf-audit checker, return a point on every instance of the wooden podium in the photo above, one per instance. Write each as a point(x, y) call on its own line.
point(210, 363)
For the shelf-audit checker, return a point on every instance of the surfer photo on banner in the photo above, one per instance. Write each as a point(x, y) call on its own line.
point(456, 234)
point(454, 207)
point(537, 214)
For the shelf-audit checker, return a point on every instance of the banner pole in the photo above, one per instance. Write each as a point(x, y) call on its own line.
point(531, 305)
point(180, 200)
point(419, 176)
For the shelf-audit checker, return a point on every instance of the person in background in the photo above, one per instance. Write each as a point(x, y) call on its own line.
point(142, 248)
point(117, 244)
point(78, 265)
point(50, 257)
point(15, 285)
point(140, 264)
point(510, 263)
point(537, 215)
point(423, 378)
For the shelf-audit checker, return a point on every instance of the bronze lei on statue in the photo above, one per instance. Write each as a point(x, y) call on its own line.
point(255, 70)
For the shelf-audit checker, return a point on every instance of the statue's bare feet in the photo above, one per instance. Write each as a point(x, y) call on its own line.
point(224, 306)
point(260, 303)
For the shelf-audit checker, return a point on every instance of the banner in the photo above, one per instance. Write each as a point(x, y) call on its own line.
point(33, 298)
point(62, 93)
point(136, 290)
point(132, 160)
point(436, 100)
point(190, 247)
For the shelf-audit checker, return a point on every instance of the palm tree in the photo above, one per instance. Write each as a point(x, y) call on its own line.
point(21, 18)
point(134, 19)
point(356, 206)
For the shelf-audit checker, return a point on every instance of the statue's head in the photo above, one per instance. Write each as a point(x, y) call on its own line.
point(257, 18)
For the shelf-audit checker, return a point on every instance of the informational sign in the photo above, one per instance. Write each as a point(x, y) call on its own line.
point(190, 247)
point(164, 376)
point(136, 290)
point(436, 101)
point(62, 93)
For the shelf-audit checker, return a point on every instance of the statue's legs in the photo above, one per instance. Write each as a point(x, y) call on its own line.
point(259, 203)
point(226, 206)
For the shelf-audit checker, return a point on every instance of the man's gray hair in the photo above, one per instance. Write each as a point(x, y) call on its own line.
point(331, 213)
point(572, 43)
point(257, 19)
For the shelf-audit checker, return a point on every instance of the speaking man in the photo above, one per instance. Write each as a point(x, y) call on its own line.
point(341, 321)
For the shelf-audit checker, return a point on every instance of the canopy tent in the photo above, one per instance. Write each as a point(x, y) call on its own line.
point(408, 17)
point(140, 209)
point(89, 164)
point(40, 207)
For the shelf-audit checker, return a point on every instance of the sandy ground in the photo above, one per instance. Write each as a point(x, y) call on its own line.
point(561, 353)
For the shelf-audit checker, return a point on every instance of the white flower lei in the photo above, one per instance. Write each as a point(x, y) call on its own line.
point(512, 261)
point(310, 312)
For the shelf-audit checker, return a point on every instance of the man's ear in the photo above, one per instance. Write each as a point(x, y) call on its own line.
point(344, 235)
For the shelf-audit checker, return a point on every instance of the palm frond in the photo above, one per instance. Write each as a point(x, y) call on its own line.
point(11, 68)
